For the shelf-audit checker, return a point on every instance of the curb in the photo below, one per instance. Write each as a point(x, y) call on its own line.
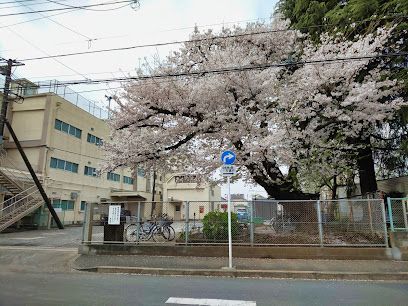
point(314, 275)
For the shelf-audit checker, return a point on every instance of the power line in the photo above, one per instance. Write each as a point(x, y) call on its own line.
point(58, 23)
point(22, 3)
point(229, 69)
point(16, 1)
point(39, 18)
point(178, 42)
point(135, 2)
point(66, 8)
point(33, 45)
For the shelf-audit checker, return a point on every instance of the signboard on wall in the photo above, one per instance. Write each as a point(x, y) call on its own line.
point(114, 214)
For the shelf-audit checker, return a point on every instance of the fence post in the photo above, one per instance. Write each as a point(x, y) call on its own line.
point(187, 218)
point(138, 223)
point(390, 214)
point(384, 223)
point(319, 220)
point(404, 214)
point(251, 224)
point(369, 213)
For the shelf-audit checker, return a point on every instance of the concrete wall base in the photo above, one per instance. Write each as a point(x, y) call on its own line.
point(399, 245)
point(357, 253)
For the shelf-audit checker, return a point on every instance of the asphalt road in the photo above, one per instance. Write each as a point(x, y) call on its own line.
point(116, 289)
point(36, 269)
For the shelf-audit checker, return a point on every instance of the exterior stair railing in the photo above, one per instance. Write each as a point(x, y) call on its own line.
point(26, 196)
point(19, 178)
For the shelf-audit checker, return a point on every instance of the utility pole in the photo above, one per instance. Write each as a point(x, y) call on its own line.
point(6, 71)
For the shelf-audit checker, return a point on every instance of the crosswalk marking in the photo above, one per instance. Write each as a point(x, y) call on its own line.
point(208, 302)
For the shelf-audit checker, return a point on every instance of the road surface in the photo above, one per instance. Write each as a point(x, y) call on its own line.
point(82, 288)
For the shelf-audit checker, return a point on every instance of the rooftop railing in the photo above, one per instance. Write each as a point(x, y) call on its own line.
point(27, 89)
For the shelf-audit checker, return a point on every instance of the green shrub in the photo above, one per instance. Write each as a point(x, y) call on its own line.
point(215, 225)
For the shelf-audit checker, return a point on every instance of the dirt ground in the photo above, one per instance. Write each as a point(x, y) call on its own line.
point(299, 238)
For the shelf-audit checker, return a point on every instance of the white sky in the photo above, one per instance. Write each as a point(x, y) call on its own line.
point(155, 21)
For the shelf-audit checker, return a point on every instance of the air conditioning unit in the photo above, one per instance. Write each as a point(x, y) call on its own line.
point(74, 195)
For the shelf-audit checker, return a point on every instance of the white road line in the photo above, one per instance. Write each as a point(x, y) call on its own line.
point(47, 249)
point(27, 238)
point(208, 302)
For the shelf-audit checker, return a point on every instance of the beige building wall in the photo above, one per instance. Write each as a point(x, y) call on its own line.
point(202, 198)
point(34, 124)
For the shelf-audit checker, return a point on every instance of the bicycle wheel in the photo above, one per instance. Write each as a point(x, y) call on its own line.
point(131, 233)
point(169, 233)
point(158, 235)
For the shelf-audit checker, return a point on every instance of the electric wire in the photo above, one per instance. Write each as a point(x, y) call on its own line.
point(56, 60)
point(19, 3)
point(94, 10)
point(173, 42)
point(39, 18)
point(67, 8)
point(223, 70)
point(58, 23)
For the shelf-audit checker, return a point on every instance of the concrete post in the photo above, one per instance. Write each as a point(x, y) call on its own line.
point(88, 222)
point(187, 217)
point(319, 220)
point(49, 220)
point(84, 223)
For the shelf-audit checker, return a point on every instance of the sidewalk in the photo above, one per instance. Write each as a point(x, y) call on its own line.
point(246, 267)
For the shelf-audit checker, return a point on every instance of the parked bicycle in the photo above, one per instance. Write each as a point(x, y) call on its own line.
point(158, 229)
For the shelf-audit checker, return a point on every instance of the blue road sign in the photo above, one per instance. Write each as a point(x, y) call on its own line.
point(228, 157)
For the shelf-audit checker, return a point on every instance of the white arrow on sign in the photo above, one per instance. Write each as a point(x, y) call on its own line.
point(226, 157)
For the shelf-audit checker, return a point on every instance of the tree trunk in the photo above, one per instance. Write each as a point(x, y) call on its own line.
point(285, 191)
point(366, 171)
point(334, 188)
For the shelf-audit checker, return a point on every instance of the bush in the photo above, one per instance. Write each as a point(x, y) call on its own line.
point(215, 225)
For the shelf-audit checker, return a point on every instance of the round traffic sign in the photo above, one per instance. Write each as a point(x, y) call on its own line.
point(228, 157)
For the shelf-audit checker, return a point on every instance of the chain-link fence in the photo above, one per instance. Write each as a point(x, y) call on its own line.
point(357, 222)
point(398, 214)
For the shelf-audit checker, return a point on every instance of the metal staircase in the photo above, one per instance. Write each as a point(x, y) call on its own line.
point(26, 197)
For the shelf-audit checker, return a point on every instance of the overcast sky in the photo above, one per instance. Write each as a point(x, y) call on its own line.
point(86, 30)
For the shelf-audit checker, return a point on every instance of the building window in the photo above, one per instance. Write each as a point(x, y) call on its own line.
point(63, 165)
point(93, 139)
point(128, 180)
point(140, 172)
point(63, 204)
point(83, 205)
point(113, 177)
point(67, 128)
point(90, 171)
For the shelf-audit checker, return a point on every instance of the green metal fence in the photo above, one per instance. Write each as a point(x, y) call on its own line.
point(398, 214)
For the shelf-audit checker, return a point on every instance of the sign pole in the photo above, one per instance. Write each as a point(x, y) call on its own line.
point(229, 225)
point(228, 170)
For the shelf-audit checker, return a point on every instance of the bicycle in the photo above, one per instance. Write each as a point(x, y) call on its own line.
point(166, 230)
point(139, 232)
point(159, 231)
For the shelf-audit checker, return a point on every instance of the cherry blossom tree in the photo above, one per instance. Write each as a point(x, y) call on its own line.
point(257, 94)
